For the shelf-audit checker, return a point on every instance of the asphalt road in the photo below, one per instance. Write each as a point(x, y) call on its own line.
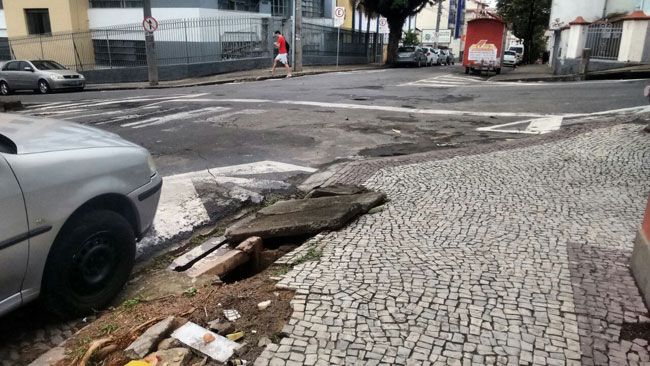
point(341, 115)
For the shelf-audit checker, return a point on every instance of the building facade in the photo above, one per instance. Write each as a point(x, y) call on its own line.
point(617, 33)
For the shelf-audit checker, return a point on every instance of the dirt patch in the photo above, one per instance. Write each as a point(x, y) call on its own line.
point(456, 98)
point(199, 305)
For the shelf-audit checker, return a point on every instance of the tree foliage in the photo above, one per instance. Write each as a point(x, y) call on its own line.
point(529, 20)
point(410, 39)
point(396, 12)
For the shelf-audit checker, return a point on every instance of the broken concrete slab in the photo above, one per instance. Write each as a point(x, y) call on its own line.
point(173, 357)
point(168, 343)
point(336, 190)
point(250, 245)
point(184, 261)
point(366, 200)
point(146, 343)
point(295, 223)
point(221, 349)
point(218, 265)
point(221, 327)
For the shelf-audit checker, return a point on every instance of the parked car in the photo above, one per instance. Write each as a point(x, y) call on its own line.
point(510, 58)
point(41, 76)
point(432, 57)
point(411, 55)
point(447, 56)
point(74, 201)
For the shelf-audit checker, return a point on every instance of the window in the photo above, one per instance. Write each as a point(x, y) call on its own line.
point(240, 5)
point(116, 3)
point(38, 21)
point(23, 65)
point(313, 8)
point(11, 66)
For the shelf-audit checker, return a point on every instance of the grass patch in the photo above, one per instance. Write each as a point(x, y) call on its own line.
point(107, 329)
point(279, 270)
point(313, 254)
point(190, 292)
point(131, 303)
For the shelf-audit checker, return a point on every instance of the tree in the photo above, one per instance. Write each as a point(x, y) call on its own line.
point(529, 20)
point(410, 38)
point(395, 12)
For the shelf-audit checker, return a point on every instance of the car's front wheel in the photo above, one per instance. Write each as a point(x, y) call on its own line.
point(43, 87)
point(4, 88)
point(89, 263)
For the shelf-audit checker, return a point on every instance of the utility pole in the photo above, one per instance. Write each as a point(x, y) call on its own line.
point(297, 42)
point(435, 45)
point(152, 60)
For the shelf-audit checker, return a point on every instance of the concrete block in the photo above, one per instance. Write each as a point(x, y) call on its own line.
point(220, 349)
point(218, 265)
point(181, 263)
point(146, 343)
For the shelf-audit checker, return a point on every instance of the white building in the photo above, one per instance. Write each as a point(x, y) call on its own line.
point(563, 11)
point(616, 31)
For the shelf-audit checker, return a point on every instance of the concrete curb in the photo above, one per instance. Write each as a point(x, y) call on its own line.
point(538, 78)
point(597, 75)
point(108, 87)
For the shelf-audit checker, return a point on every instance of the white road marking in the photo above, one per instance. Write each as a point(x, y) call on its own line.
point(174, 117)
point(533, 127)
point(223, 116)
point(260, 167)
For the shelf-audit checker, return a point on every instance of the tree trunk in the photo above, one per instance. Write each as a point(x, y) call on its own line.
point(395, 26)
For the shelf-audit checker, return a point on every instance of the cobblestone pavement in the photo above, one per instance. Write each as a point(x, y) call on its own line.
point(510, 257)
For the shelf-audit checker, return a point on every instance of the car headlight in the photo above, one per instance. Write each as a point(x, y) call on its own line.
point(152, 165)
point(56, 77)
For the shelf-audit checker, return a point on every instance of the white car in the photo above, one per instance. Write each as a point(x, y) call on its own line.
point(510, 59)
point(73, 202)
point(432, 57)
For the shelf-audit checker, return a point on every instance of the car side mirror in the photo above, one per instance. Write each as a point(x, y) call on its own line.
point(28, 68)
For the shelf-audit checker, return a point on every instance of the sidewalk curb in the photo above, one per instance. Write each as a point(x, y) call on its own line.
point(571, 77)
point(92, 87)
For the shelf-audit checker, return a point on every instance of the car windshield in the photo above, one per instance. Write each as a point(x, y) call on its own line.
point(406, 49)
point(48, 65)
point(510, 53)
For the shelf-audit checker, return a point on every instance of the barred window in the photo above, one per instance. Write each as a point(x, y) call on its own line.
point(240, 5)
point(313, 8)
point(116, 3)
point(280, 8)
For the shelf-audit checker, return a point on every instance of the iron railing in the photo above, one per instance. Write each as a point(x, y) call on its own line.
point(185, 41)
point(604, 39)
point(182, 41)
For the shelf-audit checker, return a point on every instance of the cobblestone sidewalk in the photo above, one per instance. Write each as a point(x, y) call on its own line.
point(511, 257)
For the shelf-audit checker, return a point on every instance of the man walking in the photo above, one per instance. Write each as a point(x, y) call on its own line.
point(281, 45)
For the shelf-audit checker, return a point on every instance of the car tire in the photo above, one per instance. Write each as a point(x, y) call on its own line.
point(4, 88)
point(88, 264)
point(43, 87)
point(467, 70)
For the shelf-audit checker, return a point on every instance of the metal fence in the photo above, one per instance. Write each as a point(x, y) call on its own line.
point(186, 41)
point(319, 40)
point(177, 42)
point(604, 39)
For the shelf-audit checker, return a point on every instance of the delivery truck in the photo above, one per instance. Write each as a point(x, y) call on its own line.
point(485, 41)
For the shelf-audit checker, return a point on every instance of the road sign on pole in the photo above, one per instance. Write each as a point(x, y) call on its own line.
point(339, 19)
point(150, 48)
point(339, 16)
point(383, 25)
point(150, 24)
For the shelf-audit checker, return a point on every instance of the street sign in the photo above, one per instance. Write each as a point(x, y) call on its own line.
point(339, 16)
point(430, 36)
point(150, 24)
point(383, 25)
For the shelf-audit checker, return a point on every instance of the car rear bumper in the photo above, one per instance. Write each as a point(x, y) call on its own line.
point(146, 200)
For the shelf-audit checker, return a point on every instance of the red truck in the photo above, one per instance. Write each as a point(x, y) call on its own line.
point(485, 43)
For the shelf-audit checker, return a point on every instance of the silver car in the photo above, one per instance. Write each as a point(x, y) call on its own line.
point(73, 200)
point(42, 76)
point(411, 55)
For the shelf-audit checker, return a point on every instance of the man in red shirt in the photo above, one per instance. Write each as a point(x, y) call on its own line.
point(281, 45)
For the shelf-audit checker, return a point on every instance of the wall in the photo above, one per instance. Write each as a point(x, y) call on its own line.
point(65, 15)
point(563, 11)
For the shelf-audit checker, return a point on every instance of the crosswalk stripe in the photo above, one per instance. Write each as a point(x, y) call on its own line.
point(172, 117)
